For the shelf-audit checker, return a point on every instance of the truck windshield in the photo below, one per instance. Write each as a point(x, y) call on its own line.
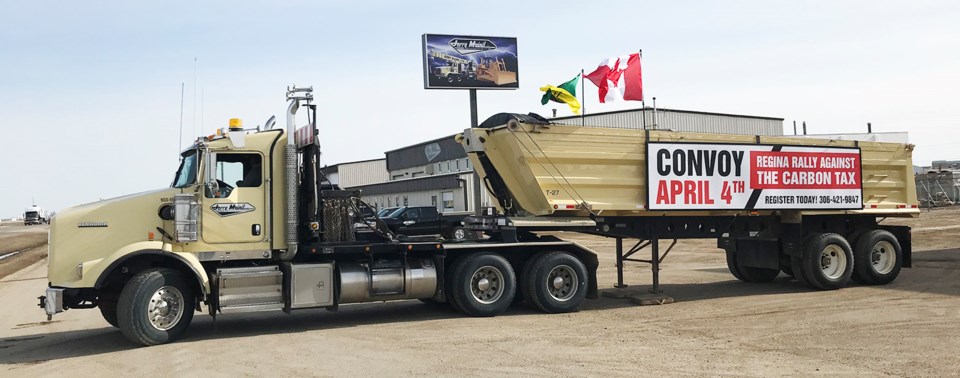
point(395, 213)
point(31, 214)
point(383, 212)
point(187, 173)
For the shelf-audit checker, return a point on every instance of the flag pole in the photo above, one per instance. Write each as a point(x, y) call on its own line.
point(583, 95)
point(643, 103)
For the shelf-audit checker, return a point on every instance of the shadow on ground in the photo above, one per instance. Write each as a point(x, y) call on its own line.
point(936, 272)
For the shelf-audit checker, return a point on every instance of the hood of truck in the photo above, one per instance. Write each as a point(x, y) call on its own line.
point(89, 233)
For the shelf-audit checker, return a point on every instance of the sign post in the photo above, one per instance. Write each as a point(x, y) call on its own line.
point(474, 122)
point(472, 63)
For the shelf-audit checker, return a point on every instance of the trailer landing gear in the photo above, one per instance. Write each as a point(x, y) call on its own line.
point(654, 295)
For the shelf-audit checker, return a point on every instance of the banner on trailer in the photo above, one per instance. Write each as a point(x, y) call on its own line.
point(469, 62)
point(714, 176)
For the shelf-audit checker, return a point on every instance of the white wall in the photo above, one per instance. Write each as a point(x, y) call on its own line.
point(362, 173)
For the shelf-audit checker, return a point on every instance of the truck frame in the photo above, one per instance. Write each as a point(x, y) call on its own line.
point(247, 225)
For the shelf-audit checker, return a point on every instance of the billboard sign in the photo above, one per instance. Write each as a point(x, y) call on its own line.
point(469, 62)
point(714, 176)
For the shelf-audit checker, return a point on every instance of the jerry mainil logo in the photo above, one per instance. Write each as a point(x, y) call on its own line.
point(228, 209)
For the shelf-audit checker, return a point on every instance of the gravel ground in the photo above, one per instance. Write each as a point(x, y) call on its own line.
point(717, 326)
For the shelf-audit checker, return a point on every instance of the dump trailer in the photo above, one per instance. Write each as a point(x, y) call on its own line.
point(247, 225)
point(810, 208)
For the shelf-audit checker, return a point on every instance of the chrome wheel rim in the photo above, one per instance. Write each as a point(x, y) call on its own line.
point(459, 234)
point(833, 262)
point(562, 283)
point(165, 308)
point(883, 257)
point(486, 284)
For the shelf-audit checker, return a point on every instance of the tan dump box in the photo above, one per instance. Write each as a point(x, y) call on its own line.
point(562, 170)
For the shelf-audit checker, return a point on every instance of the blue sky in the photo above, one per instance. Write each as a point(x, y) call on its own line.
point(90, 91)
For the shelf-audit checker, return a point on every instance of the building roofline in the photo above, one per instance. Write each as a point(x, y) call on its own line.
point(352, 162)
point(408, 179)
point(421, 143)
point(667, 110)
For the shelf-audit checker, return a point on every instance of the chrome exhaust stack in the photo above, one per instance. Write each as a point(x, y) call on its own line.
point(294, 96)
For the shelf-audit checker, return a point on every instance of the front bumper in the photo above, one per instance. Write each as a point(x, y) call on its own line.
point(52, 302)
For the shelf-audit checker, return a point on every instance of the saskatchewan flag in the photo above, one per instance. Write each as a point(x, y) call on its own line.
point(566, 93)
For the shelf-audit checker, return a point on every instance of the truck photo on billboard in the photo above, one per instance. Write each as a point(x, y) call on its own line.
point(469, 62)
point(694, 176)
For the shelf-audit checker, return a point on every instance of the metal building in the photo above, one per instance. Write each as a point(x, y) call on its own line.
point(433, 173)
point(357, 173)
point(678, 120)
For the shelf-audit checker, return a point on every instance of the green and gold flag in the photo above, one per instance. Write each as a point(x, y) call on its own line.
point(566, 93)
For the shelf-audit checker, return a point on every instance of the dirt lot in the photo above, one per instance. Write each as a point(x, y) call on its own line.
point(718, 326)
point(21, 246)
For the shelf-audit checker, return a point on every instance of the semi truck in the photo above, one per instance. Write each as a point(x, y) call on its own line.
point(34, 215)
point(247, 226)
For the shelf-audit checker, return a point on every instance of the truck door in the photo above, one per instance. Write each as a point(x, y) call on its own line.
point(233, 209)
point(430, 221)
point(411, 222)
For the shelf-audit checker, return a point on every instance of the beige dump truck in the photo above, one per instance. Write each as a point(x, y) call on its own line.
point(248, 223)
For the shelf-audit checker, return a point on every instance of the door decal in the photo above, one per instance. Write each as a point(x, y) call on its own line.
point(228, 209)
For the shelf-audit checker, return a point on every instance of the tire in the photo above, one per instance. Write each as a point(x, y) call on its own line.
point(556, 283)
point(458, 233)
point(733, 266)
point(527, 271)
point(155, 291)
point(787, 269)
point(877, 258)
point(749, 274)
point(827, 261)
point(483, 284)
point(109, 311)
point(796, 265)
point(448, 283)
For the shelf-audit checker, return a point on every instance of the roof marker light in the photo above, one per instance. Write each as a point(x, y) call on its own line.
point(236, 124)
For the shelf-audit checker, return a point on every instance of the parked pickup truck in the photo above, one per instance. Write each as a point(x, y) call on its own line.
point(424, 220)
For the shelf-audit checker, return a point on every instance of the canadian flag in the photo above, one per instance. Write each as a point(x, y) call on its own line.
point(618, 78)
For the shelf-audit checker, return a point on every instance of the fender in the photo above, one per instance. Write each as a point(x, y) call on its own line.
point(149, 248)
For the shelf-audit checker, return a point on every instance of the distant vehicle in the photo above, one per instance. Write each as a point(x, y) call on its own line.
point(424, 220)
point(35, 215)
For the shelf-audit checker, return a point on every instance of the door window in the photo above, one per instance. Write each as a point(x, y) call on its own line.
point(236, 171)
point(412, 214)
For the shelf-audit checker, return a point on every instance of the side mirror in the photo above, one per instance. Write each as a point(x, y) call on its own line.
point(210, 172)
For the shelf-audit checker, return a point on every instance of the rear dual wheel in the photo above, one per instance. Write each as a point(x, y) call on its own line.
point(554, 282)
point(826, 262)
point(878, 258)
point(481, 284)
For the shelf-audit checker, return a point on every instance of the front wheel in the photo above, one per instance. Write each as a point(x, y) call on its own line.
point(483, 284)
point(109, 311)
point(155, 307)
